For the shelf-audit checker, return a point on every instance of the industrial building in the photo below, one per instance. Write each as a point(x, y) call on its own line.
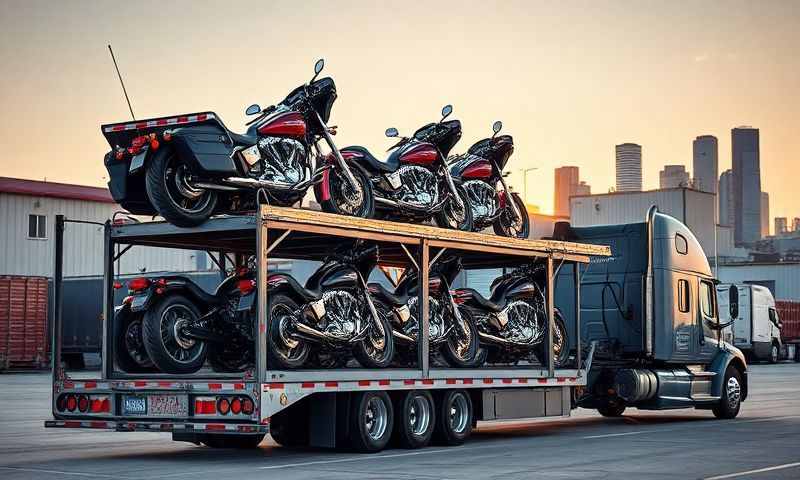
point(781, 278)
point(673, 176)
point(567, 184)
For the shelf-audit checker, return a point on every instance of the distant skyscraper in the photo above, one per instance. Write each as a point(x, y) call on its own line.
point(568, 184)
point(764, 214)
point(747, 185)
point(704, 163)
point(796, 224)
point(629, 167)
point(780, 225)
point(726, 196)
point(673, 176)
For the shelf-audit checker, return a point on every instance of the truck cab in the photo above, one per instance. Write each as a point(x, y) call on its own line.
point(757, 330)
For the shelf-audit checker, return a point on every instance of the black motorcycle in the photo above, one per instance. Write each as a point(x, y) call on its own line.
point(512, 323)
point(479, 171)
point(173, 325)
point(330, 318)
point(413, 182)
point(451, 329)
point(188, 167)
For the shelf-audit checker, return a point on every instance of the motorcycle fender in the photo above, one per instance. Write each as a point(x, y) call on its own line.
point(325, 186)
point(117, 177)
point(207, 149)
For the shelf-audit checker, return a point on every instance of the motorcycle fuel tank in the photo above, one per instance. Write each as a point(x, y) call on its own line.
point(421, 154)
point(288, 124)
point(479, 170)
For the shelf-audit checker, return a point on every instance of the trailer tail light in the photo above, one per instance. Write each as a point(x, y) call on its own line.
point(117, 285)
point(223, 406)
point(246, 286)
point(72, 403)
point(99, 404)
point(83, 403)
point(205, 406)
point(236, 406)
point(138, 284)
point(247, 406)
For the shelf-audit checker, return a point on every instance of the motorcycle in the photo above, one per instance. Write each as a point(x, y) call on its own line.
point(413, 182)
point(170, 323)
point(451, 329)
point(330, 317)
point(479, 171)
point(188, 167)
point(512, 323)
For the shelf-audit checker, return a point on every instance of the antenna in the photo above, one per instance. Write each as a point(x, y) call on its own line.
point(121, 82)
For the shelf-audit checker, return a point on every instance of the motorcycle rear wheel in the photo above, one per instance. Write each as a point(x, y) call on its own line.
point(284, 351)
point(170, 351)
point(560, 344)
point(506, 227)
point(454, 217)
point(129, 349)
point(170, 193)
point(461, 348)
point(376, 350)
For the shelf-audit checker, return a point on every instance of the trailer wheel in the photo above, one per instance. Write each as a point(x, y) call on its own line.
point(372, 419)
point(289, 428)
point(242, 442)
point(731, 400)
point(453, 417)
point(774, 353)
point(797, 352)
point(612, 409)
point(416, 418)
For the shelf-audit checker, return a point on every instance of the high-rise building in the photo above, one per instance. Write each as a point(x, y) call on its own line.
point(567, 184)
point(796, 224)
point(629, 167)
point(780, 225)
point(704, 163)
point(726, 196)
point(764, 214)
point(673, 176)
point(747, 185)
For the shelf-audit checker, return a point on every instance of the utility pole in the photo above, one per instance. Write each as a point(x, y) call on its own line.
point(525, 181)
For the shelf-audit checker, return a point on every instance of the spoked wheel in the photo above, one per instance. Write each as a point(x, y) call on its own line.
point(560, 344)
point(372, 420)
point(130, 351)
point(171, 193)
point(415, 418)
point(462, 345)
point(454, 417)
point(376, 350)
point(455, 216)
point(508, 225)
point(284, 350)
point(165, 341)
point(343, 198)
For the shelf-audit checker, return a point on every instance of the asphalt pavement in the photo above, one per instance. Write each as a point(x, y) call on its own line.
point(762, 443)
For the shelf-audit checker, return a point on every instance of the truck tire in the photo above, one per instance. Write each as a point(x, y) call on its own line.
point(238, 441)
point(416, 418)
point(797, 352)
point(371, 421)
point(170, 352)
point(731, 400)
point(289, 428)
point(774, 353)
point(612, 409)
point(453, 417)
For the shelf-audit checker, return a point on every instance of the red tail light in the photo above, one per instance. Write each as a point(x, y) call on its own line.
point(117, 285)
point(205, 407)
point(246, 286)
point(236, 406)
point(83, 403)
point(223, 406)
point(138, 284)
point(99, 405)
point(72, 403)
point(247, 406)
point(119, 154)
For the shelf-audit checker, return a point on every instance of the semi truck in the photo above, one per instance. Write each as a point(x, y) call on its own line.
point(638, 299)
point(757, 331)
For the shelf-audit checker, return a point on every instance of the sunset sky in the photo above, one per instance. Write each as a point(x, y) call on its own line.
point(569, 79)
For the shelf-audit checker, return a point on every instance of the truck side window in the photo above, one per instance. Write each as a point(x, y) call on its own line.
point(681, 246)
point(707, 300)
point(773, 316)
point(683, 295)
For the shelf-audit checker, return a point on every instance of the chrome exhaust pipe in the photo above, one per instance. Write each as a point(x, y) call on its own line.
point(215, 186)
point(312, 334)
point(402, 336)
point(488, 338)
point(256, 184)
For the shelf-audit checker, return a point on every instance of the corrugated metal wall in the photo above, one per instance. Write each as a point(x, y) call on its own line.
point(786, 277)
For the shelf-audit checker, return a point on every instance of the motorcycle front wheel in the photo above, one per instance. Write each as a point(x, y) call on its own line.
point(456, 217)
point(169, 190)
point(284, 351)
point(169, 348)
point(560, 344)
point(462, 345)
point(376, 350)
point(343, 199)
point(508, 226)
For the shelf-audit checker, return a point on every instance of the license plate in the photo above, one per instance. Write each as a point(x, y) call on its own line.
point(138, 301)
point(138, 161)
point(134, 406)
point(168, 405)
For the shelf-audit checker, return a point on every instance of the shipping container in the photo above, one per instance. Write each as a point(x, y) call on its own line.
point(789, 313)
point(23, 322)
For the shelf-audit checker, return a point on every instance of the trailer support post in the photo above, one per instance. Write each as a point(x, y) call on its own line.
point(424, 310)
point(108, 301)
point(58, 278)
point(576, 271)
point(262, 249)
point(550, 317)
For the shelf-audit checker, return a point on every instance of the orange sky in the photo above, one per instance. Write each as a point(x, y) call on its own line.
point(568, 79)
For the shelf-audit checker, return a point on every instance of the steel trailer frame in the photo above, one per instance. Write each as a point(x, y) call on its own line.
point(304, 234)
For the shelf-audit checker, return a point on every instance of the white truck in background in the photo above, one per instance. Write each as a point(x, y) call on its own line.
point(757, 331)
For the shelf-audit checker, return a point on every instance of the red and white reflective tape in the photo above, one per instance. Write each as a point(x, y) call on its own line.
point(417, 383)
point(156, 426)
point(92, 385)
point(160, 122)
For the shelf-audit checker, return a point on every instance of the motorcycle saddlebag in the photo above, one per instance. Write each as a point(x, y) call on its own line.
point(127, 190)
point(206, 148)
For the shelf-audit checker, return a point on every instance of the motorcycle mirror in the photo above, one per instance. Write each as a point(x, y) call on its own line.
point(446, 111)
point(391, 132)
point(496, 127)
point(319, 66)
point(253, 109)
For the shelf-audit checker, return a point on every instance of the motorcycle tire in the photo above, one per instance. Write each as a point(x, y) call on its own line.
point(222, 360)
point(366, 351)
point(167, 352)
point(293, 357)
point(444, 218)
point(465, 356)
point(163, 183)
point(129, 350)
point(502, 226)
point(337, 184)
point(560, 355)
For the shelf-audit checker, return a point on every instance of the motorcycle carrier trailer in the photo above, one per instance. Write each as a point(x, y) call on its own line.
point(318, 402)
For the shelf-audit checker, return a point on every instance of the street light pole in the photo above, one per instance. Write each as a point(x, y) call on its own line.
point(525, 181)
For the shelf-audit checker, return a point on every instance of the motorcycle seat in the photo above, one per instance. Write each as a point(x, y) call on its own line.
point(382, 294)
point(306, 294)
point(482, 302)
point(390, 165)
point(243, 140)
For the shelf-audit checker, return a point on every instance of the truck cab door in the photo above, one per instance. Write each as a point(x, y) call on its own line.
point(708, 320)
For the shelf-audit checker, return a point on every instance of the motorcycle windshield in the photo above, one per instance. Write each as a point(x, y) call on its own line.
point(321, 93)
point(497, 149)
point(444, 135)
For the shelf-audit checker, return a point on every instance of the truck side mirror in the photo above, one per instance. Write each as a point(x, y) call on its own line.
point(733, 302)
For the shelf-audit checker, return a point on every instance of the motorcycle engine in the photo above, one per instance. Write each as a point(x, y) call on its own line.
point(341, 310)
point(435, 314)
point(482, 198)
point(524, 323)
point(418, 185)
point(283, 160)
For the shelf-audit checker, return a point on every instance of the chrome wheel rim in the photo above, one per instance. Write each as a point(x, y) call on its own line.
point(376, 418)
point(348, 199)
point(419, 415)
point(376, 340)
point(181, 193)
point(463, 338)
point(734, 392)
point(134, 345)
point(459, 413)
point(285, 345)
point(179, 347)
point(455, 214)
